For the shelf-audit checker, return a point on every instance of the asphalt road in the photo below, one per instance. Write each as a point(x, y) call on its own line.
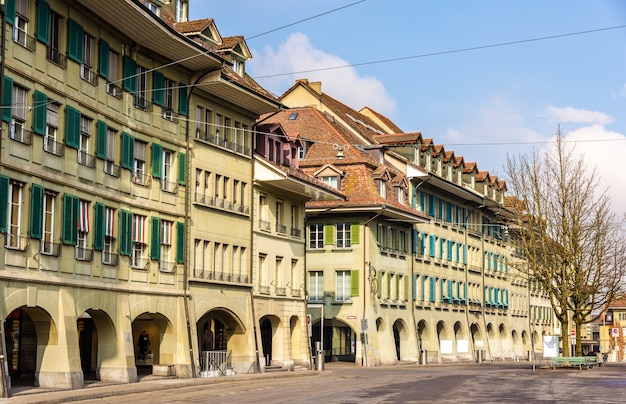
point(484, 383)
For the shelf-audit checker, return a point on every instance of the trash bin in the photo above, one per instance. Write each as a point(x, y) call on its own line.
point(319, 356)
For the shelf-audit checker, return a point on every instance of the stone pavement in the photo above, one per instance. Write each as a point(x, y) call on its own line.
point(30, 394)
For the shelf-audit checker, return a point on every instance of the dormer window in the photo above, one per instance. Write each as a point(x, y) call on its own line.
point(400, 192)
point(180, 10)
point(238, 67)
point(332, 181)
point(153, 7)
point(382, 188)
point(330, 176)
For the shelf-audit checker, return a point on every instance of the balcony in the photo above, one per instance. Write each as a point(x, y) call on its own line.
point(19, 134)
point(265, 225)
point(56, 57)
point(14, 242)
point(142, 103)
point(23, 39)
point(112, 169)
point(114, 90)
point(50, 248)
point(281, 229)
point(86, 159)
point(169, 186)
point(83, 254)
point(296, 232)
point(264, 290)
point(167, 266)
point(109, 258)
point(88, 75)
point(50, 145)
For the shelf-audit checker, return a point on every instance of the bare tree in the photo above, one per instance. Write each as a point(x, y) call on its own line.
point(572, 241)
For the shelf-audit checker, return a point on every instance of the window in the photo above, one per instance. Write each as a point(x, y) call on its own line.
point(152, 7)
point(139, 162)
point(332, 181)
point(108, 255)
point(18, 118)
point(316, 285)
point(82, 253)
point(218, 128)
point(15, 202)
point(47, 231)
point(279, 277)
point(400, 194)
point(87, 72)
point(166, 245)
point(167, 183)
point(50, 143)
point(342, 286)
point(141, 92)
point(301, 153)
point(263, 274)
point(113, 75)
point(109, 164)
point(168, 101)
point(84, 157)
point(382, 188)
point(316, 236)
point(343, 235)
point(137, 239)
point(53, 47)
point(280, 228)
point(20, 26)
point(180, 10)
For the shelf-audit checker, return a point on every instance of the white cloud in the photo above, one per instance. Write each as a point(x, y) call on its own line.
point(621, 93)
point(602, 150)
point(297, 54)
point(575, 115)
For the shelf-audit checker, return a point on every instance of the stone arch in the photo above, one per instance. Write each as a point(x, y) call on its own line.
point(380, 325)
point(162, 339)
point(339, 340)
point(29, 331)
point(97, 342)
point(401, 339)
point(271, 338)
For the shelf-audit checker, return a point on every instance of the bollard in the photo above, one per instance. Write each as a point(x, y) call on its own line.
point(319, 362)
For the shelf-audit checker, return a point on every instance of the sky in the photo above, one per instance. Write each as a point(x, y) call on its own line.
point(485, 78)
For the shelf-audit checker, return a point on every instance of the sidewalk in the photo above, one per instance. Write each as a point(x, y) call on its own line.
point(29, 394)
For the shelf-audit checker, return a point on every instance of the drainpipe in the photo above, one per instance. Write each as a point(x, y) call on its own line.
point(186, 265)
point(366, 266)
point(254, 319)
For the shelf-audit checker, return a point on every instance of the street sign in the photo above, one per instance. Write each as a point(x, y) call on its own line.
point(615, 332)
point(573, 333)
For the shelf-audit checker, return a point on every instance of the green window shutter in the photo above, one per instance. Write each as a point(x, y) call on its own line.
point(464, 253)
point(72, 127)
point(414, 288)
point(379, 279)
point(39, 114)
point(99, 227)
point(432, 289)
point(128, 151)
point(9, 10)
point(180, 242)
point(450, 289)
point(70, 219)
point(103, 66)
point(130, 74)
point(157, 157)
point(432, 246)
point(43, 21)
point(354, 282)
point(101, 144)
point(126, 226)
point(355, 234)
point(158, 93)
point(406, 287)
point(36, 211)
point(7, 99)
point(182, 98)
point(155, 238)
point(4, 202)
point(432, 205)
point(75, 35)
point(388, 290)
point(329, 234)
point(182, 168)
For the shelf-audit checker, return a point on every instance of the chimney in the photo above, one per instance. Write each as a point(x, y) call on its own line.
point(316, 86)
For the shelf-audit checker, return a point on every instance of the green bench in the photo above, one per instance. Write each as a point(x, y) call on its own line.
point(590, 362)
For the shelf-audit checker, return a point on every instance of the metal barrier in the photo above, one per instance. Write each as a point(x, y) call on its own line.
point(222, 363)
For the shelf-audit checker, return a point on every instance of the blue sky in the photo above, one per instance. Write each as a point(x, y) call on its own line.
point(481, 103)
